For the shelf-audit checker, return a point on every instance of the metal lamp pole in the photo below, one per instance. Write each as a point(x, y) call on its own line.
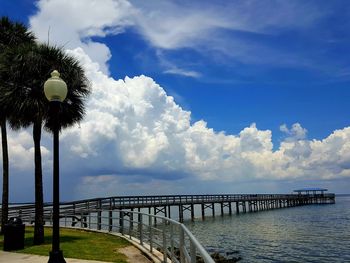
point(55, 91)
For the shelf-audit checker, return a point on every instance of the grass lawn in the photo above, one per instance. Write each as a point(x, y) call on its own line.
point(77, 244)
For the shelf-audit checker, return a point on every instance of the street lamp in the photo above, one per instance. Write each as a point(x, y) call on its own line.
point(55, 90)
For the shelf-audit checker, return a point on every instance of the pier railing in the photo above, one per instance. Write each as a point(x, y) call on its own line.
point(138, 202)
point(166, 239)
point(161, 200)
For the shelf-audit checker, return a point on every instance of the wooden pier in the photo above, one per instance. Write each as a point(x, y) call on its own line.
point(164, 205)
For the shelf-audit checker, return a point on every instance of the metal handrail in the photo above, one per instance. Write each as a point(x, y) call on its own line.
point(166, 239)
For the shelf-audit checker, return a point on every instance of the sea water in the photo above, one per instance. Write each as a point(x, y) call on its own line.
point(312, 233)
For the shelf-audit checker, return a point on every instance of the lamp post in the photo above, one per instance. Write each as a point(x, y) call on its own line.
point(55, 91)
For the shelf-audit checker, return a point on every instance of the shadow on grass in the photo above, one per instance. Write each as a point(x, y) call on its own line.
point(29, 239)
point(77, 244)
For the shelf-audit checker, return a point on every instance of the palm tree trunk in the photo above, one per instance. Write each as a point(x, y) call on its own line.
point(39, 202)
point(5, 176)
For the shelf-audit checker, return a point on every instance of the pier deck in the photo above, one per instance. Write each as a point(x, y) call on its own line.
point(162, 204)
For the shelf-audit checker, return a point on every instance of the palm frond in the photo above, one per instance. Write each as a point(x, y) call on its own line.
point(26, 68)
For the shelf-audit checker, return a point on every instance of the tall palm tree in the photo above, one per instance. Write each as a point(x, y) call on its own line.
point(30, 67)
point(11, 34)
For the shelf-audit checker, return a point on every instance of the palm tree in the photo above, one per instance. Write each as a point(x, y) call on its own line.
point(30, 67)
point(11, 34)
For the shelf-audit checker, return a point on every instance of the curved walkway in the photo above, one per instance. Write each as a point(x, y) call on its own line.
point(132, 253)
point(10, 257)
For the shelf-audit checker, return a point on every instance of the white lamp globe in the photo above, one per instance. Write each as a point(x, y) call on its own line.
point(55, 88)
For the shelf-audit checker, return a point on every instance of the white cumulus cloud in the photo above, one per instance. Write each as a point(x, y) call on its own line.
point(135, 136)
point(133, 126)
point(296, 132)
point(73, 23)
point(134, 130)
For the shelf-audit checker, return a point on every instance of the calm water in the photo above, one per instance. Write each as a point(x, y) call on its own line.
point(315, 233)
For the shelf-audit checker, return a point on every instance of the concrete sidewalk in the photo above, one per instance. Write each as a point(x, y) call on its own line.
point(132, 254)
point(9, 257)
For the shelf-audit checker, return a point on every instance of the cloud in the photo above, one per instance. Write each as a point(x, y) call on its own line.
point(296, 132)
point(169, 25)
point(230, 33)
point(21, 150)
point(182, 72)
point(236, 30)
point(135, 117)
point(133, 127)
point(74, 23)
point(135, 138)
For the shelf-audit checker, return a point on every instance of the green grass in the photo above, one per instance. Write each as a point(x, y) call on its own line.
point(78, 244)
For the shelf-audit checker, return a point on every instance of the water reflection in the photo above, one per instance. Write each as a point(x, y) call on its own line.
point(318, 233)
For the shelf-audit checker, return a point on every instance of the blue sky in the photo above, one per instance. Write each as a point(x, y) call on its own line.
point(265, 83)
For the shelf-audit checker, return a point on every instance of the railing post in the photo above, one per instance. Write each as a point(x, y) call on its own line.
point(99, 219)
point(182, 244)
point(110, 220)
point(51, 217)
point(73, 215)
point(165, 256)
point(172, 243)
point(121, 222)
point(139, 219)
point(203, 211)
point(130, 227)
point(150, 233)
point(131, 218)
point(193, 253)
point(89, 219)
point(81, 219)
point(155, 213)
